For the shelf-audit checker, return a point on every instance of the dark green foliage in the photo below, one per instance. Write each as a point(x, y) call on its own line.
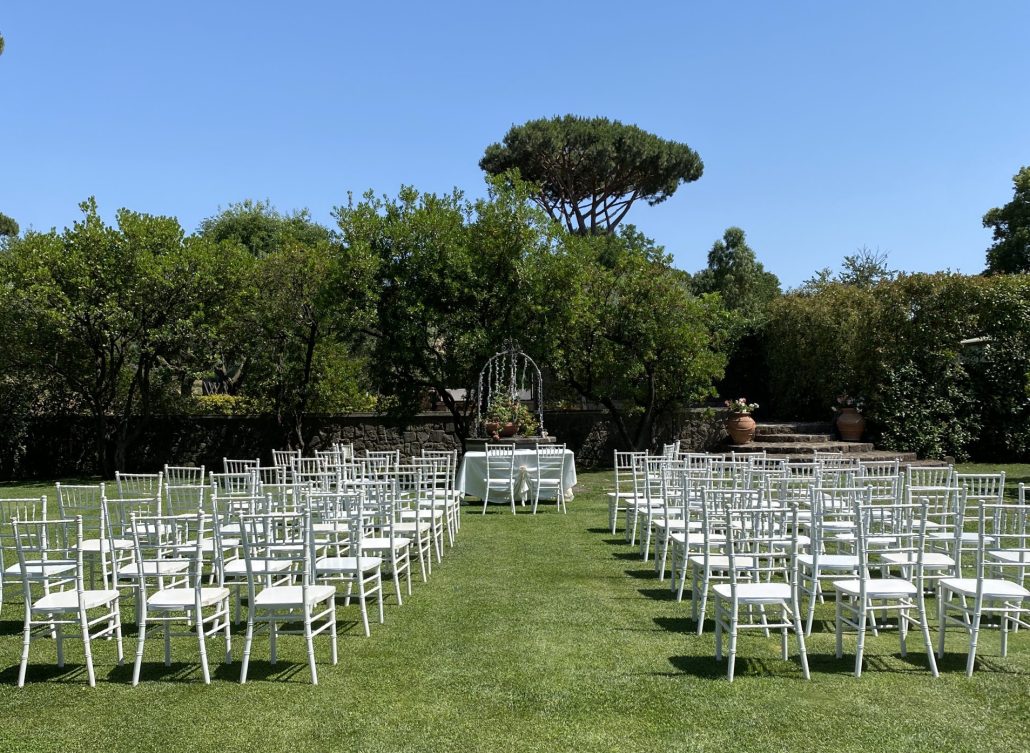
point(590, 171)
point(8, 227)
point(735, 273)
point(261, 229)
point(899, 344)
point(629, 333)
point(1011, 225)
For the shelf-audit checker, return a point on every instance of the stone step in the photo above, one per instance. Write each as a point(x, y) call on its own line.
point(793, 437)
point(794, 427)
point(808, 448)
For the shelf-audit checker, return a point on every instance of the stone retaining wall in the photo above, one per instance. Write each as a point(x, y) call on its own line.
point(63, 447)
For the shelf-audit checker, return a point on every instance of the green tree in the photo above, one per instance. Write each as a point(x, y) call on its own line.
point(627, 333)
point(100, 309)
point(448, 281)
point(865, 269)
point(1010, 252)
point(735, 273)
point(261, 228)
point(8, 227)
point(590, 171)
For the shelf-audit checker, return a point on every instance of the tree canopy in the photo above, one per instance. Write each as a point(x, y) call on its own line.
point(735, 273)
point(1010, 252)
point(590, 171)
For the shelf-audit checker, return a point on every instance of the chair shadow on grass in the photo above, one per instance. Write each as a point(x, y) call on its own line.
point(11, 627)
point(626, 556)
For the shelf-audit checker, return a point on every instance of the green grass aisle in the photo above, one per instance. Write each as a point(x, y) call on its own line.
point(537, 633)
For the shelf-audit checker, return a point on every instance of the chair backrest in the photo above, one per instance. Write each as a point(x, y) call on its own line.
point(550, 460)
point(277, 537)
point(184, 500)
point(136, 485)
point(234, 484)
point(231, 465)
point(890, 526)
point(49, 553)
point(982, 487)
point(760, 542)
point(1002, 528)
point(885, 489)
point(174, 542)
point(270, 474)
point(303, 466)
point(26, 509)
point(623, 463)
point(85, 501)
point(1009, 527)
point(833, 515)
point(117, 515)
point(184, 475)
point(879, 467)
point(285, 458)
point(929, 475)
point(669, 451)
point(804, 469)
point(500, 460)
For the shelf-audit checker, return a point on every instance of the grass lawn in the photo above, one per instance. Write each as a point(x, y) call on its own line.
point(540, 633)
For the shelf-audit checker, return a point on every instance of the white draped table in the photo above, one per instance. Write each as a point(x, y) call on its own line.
point(472, 476)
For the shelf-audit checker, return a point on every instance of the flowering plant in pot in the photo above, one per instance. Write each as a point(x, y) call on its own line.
point(739, 424)
point(506, 416)
point(850, 422)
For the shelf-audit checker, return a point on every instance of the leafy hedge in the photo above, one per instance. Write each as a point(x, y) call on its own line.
point(898, 345)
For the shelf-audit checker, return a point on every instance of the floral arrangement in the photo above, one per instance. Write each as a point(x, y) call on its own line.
point(504, 409)
point(847, 401)
point(740, 405)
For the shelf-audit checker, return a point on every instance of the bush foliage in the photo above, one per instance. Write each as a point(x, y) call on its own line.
point(899, 344)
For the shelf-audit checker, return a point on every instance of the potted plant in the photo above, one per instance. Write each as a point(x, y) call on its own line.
point(739, 424)
point(850, 422)
point(506, 416)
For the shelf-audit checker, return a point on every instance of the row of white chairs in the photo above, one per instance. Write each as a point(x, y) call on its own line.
point(546, 473)
point(357, 530)
point(787, 536)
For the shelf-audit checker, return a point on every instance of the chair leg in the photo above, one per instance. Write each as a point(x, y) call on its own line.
point(248, 642)
point(362, 604)
point(26, 641)
point(140, 641)
point(310, 645)
point(734, 612)
point(87, 647)
point(205, 670)
point(974, 635)
point(924, 625)
point(860, 650)
point(940, 623)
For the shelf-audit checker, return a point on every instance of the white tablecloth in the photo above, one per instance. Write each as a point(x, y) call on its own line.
point(472, 476)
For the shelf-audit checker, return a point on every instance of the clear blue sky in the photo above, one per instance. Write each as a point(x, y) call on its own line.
point(823, 126)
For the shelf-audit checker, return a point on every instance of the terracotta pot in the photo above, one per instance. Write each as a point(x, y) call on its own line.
point(740, 427)
point(509, 429)
point(850, 424)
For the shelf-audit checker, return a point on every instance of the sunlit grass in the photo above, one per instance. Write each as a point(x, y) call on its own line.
point(540, 633)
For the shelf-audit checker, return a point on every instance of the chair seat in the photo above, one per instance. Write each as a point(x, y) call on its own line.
point(755, 593)
point(877, 588)
point(293, 596)
point(994, 588)
point(423, 513)
point(38, 570)
point(382, 544)
point(681, 537)
point(104, 545)
point(348, 564)
point(1011, 556)
point(721, 562)
point(830, 561)
point(932, 560)
point(68, 601)
point(260, 567)
point(412, 526)
point(154, 568)
point(168, 599)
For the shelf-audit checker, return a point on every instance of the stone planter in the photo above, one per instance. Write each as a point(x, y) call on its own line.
point(740, 427)
point(850, 425)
